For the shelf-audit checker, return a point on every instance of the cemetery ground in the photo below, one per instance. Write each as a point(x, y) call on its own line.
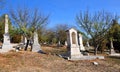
point(34, 62)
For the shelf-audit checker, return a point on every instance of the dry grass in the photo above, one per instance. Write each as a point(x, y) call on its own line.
point(34, 62)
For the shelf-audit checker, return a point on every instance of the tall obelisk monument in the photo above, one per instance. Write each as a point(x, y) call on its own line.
point(6, 43)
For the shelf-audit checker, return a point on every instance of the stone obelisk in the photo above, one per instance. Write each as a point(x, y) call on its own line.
point(36, 45)
point(6, 43)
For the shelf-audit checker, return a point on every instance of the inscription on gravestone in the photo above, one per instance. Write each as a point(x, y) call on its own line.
point(73, 38)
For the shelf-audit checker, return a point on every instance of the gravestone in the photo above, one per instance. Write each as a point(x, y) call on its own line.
point(73, 48)
point(82, 48)
point(6, 43)
point(65, 43)
point(87, 43)
point(36, 45)
point(72, 41)
point(23, 40)
point(59, 44)
point(112, 51)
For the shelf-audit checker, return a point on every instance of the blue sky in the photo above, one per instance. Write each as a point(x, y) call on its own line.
point(64, 11)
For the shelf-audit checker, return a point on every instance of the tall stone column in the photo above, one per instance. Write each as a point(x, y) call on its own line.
point(6, 43)
point(36, 45)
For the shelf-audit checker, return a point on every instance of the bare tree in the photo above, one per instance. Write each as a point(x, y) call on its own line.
point(95, 25)
point(28, 21)
point(61, 32)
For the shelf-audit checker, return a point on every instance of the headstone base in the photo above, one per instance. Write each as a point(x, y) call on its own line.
point(82, 48)
point(6, 48)
point(87, 58)
point(75, 52)
point(115, 54)
point(36, 48)
point(112, 51)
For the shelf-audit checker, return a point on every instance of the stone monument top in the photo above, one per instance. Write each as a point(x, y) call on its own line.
point(6, 23)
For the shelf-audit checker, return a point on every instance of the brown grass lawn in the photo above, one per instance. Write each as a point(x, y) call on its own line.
point(34, 62)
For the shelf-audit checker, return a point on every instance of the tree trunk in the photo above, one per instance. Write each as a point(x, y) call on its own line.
point(31, 44)
point(96, 48)
point(27, 45)
point(31, 47)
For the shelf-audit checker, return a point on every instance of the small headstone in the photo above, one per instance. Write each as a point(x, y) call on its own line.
point(65, 43)
point(59, 44)
point(87, 44)
point(82, 48)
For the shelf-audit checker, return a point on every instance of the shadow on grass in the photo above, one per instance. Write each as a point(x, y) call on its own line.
point(115, 57)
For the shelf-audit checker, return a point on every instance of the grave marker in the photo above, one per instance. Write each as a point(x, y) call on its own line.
point(6, 42)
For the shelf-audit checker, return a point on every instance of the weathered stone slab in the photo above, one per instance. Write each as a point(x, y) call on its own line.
point(87, 58)
point(36, 45)
point(115, 54)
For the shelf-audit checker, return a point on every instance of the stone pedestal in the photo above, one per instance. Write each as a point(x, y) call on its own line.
point(75, 52)
point(6, 43)
point(36, 45)
point(6, 48)
point(112, 51)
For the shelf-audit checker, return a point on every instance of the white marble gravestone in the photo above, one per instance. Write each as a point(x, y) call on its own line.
point(65, 43)
point(36, 45)
point(72, 41)
point(82, 48)
point(87, 43)
point(6, 43)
